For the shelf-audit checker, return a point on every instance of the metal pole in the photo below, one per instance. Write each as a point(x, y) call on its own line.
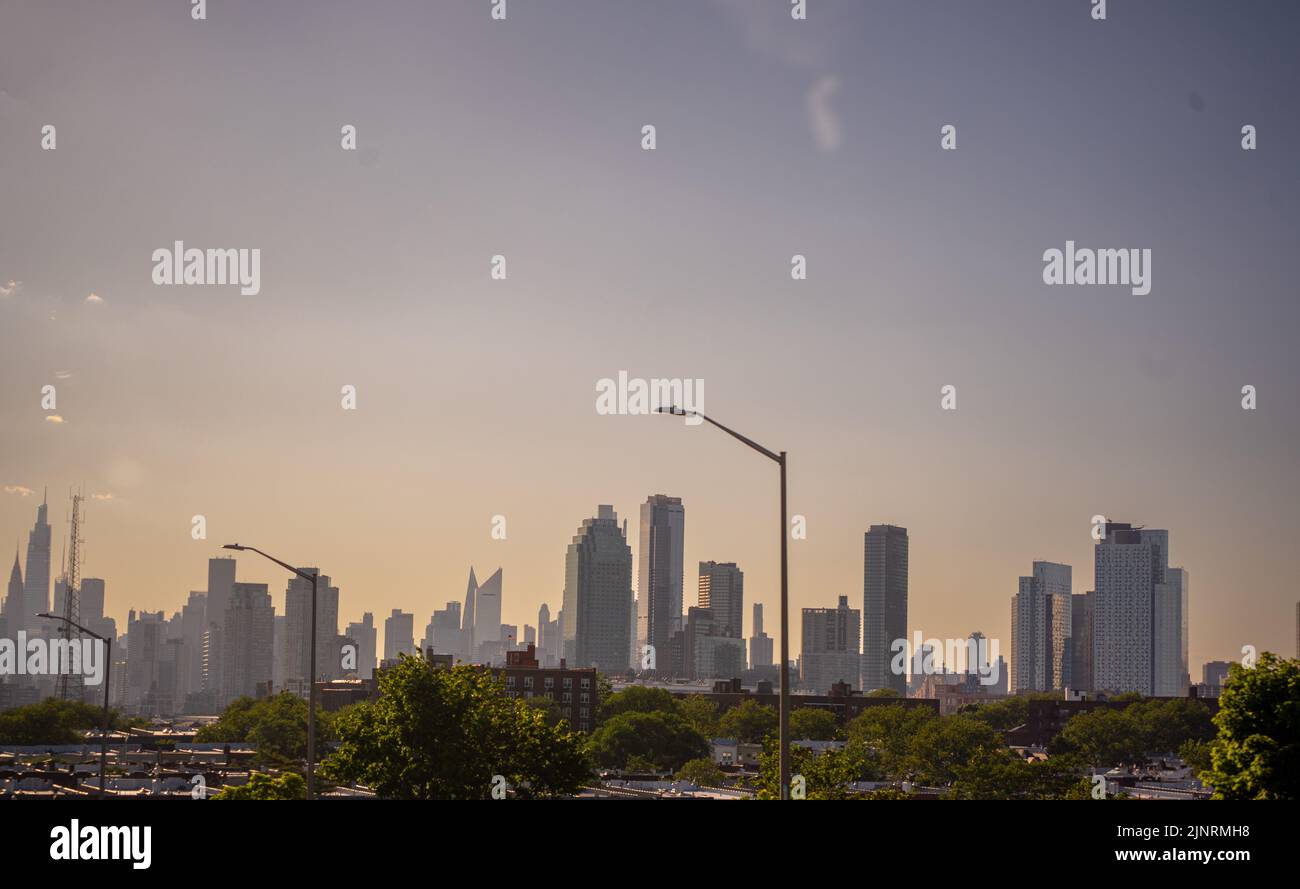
point(311, 697)
point(785, 647)
point(103, 735)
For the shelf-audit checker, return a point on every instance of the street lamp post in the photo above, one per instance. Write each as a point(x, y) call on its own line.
point(108, 674)
point(784, 700)
point(311, 679)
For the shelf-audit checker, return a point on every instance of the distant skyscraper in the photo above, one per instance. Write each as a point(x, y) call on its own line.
point(1137, 611)
point(1081, 641)
point(978, 652)
point(760, 644)
point(1169, 655)
point(443, 633)
point(36, 583)
point(549, 644)
point(884, 605)
point(707, 652)
point(1041, 614)
point(14, 606)
point(467, 617)
point(146, 638)
point(487, 611)
point(90, 599)
point(399, 635)
point(722, 591)
point(924, 663)
point(598, 595)
point(298, 669)
point(829, 651)
point(660, 568)
point(364, 634)
point(248, 631)
point(221, 579)
point(278, 632)
point(194, 622)
point(1214, 675)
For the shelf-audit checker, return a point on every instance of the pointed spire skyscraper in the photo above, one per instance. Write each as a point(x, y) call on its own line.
point(14, 597)
point(36, 583)
point(467, 617)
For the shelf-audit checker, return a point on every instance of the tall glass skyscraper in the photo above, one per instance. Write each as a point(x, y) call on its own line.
point(722, 591)
point(598, 595)
point(36, 579)
point(1139, 614)
point(884, 605)
point(1042, 615)
point(659, 574)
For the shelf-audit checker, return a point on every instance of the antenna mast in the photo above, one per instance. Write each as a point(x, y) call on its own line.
point(72, 685)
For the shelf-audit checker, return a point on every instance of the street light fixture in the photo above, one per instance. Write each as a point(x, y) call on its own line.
point(311, 679)
point(784, 700)
point(108, 671)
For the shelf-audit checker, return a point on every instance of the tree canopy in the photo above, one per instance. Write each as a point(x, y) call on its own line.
point(1256, 754)
point(748, 721)
point(665, 739)
point(447, 734)
point(276, 725)
point(288, 785)
point(54, 722)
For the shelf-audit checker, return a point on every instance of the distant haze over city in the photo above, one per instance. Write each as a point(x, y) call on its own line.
point(476, 397)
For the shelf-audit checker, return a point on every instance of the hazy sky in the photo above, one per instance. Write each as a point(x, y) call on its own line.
point(523, 138)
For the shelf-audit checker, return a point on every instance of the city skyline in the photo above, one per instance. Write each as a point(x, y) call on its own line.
point(1045, 614)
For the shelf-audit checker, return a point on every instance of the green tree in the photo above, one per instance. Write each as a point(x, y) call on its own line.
point(701, 772)
point(748, 721)
point(276, 725)
point(1196, 754)
point(288, 785)
point(665, 739)
point(826, 775)
point(54, 721)
point(1001, 715)
point(548, 707)
point(637, 699)
point(942, 747)
point(883, 693)
point(701, 713)
point(997, 773)
point(640, 765)
point(812, 724)
point(1256, 754)
point(1104, 737)
point(445, 734)
point(1162, 726)
point(604, 691)
point(889, 730)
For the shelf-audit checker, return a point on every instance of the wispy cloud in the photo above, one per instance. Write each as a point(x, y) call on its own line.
point(20, 490)
point(768, 31)
point(101, 496)
point(54, 418)
point(62, 374)
point(94, 298)
point(10, 288)
point(822, 118)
